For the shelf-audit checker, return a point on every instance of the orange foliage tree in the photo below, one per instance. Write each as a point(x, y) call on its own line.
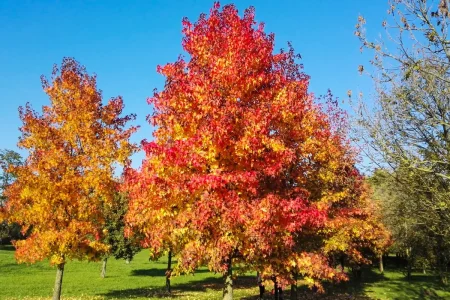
point(68, 177)
point(355, 233)
point(245, 165)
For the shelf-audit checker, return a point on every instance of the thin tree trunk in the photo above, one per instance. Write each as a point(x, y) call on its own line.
point(408, 271)
point(442, 262)
point(228, 288)
point(381, 264)
point(105, 260)
point(168, 271)
point(443, 274)
point(342, 263)
point(276, 290)
point(260, 285)
point(294, 293)
point(58, 282)
point(409, 263)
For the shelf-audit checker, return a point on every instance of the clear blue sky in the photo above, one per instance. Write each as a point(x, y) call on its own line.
point(123, 42)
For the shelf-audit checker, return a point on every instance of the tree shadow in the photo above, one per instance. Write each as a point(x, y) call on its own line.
point(245, 282)
point(179, 289)
point(7, 248)
point(371, 281)
point(419, 286)
point(11, 267)
point(158, 272)
point(215, 283)
point(352, 289)
point(151, 292)
point(148, 272)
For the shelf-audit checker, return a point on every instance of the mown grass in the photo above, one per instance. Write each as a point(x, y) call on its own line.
point(144, 279)
point(140, 279)
point(394, 285)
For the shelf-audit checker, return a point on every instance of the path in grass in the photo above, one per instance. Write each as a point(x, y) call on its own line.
point(143, 279)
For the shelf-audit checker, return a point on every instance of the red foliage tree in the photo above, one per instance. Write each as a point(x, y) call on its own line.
point(244, 162)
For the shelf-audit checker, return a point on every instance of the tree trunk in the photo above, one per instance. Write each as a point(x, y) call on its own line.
point(103, 274)
point(228, 288)
point(409, 263)
point(441, 261)
point(443, 274)
point(408, 271)
point(381, 264)
point(58, 282)
point(168, 271)
point(127, 261)
point(278, 293)
point(275, 290)
point(260, 285)
point(294, 293)
point(357, 271)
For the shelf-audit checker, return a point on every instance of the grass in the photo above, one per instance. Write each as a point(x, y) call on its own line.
point(140, 279)
point(143, 279)
point(394, 285)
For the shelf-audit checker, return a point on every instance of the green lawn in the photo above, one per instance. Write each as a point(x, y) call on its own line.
point(394, 285)
point(143, 279)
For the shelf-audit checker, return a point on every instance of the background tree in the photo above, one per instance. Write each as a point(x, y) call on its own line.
point(121, 247)
point(357, 235)
point(68, 178)
point(148, 220)
point(409, 130)
point(8, 158)
point(407, 215)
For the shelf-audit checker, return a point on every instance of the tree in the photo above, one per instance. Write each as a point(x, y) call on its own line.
point(409, 130)
point(68, 178)
point(244, 166)
point(121, 247)
point(408, 218)
point(7, 158)
point(357, 234)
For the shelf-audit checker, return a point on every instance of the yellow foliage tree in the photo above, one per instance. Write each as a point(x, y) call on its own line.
point(68, 177)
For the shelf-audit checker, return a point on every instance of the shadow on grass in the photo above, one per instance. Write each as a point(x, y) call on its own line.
point(157, 272)
point(163, 261)
point(11, 267)
point(148, 272)
point(372, 285)
point(7, 248)
point(14, 268)
point(420, 287)
point(417, 287)
point(182, 289)
point(356, 287)
point(394, 285)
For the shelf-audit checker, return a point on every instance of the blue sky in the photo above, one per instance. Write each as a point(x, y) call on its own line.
point(123, 42)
